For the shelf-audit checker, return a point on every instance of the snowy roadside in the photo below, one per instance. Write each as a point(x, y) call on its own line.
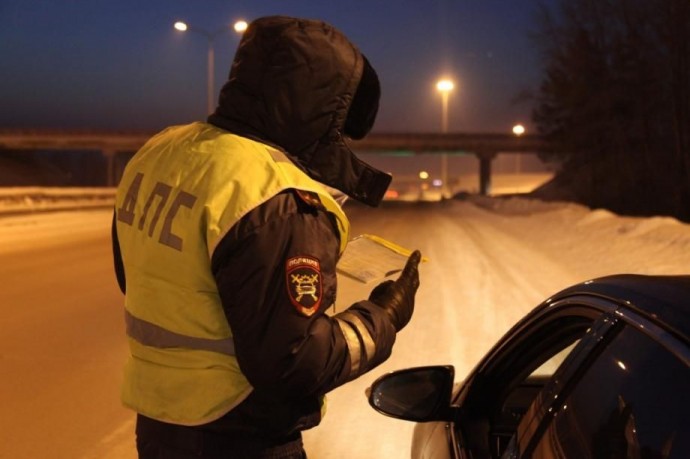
point(24, 200)
point(595, 242)
point(591, 241)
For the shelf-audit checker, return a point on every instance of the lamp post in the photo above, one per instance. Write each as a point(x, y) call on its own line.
point(444, 86)
point(518, 130)
point(239, 26)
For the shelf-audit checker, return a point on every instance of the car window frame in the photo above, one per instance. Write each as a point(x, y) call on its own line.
point(578, 306)
point(613, 322)
point(542, 409)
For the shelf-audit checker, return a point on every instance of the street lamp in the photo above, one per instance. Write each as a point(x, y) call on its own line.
point(239, 26)
point(518, 130)
point(444, 86)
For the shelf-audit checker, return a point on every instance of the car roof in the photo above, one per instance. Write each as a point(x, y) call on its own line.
point(663, 299)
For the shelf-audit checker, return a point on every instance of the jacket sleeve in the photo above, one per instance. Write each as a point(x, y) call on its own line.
point(281, 344)
point(117, 257)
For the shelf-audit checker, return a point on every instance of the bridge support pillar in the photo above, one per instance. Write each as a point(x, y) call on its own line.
point(109, 155)
point(485, 159)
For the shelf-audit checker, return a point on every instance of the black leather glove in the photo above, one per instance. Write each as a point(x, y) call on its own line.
point(397, 297)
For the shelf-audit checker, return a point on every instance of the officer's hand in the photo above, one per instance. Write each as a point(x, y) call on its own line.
point(397, 297)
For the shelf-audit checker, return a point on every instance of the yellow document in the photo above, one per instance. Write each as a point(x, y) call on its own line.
point(369, 258)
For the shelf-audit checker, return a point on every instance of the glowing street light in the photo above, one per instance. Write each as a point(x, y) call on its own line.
point(518, 130)
point(444, 86)
point(239, 26)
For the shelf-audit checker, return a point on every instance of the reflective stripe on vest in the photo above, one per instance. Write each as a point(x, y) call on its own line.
point(152, 335)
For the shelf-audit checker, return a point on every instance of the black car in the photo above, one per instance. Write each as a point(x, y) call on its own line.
point(600, 370)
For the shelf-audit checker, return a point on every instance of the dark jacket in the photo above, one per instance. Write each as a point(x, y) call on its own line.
point(302, 87)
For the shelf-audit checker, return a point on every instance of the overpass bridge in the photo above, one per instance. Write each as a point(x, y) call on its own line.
point(485, 146)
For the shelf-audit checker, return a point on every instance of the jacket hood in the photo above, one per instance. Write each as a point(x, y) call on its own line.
point(302, 86)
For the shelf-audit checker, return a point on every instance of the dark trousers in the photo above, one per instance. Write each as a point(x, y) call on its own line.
point(160, 440)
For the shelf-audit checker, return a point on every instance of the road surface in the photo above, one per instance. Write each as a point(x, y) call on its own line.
point(62, 344)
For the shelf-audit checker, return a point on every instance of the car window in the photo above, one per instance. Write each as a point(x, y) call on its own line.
point(505, 421)
point(549, 367)
point(632, 402)
point(502, 394)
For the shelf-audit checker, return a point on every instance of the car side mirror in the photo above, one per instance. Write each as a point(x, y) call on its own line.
point(418, 394)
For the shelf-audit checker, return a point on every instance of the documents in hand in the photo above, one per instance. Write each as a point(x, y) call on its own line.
point(368, 258)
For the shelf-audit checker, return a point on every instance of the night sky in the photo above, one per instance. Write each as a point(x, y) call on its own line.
point(121, 64)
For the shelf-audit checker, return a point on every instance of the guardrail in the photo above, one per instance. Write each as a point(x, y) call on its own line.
point(24, 200)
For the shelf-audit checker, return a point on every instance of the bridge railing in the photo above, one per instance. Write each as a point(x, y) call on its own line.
point(485, 146)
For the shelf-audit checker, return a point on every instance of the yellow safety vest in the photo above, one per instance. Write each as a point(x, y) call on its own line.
point(179, 195)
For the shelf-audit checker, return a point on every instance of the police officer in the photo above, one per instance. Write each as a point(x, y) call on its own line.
point(226, 237)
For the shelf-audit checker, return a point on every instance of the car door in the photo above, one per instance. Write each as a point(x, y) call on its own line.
point(628, 398)
point(526, 364)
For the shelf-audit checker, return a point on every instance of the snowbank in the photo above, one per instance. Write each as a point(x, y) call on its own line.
point(20, 200)
point(596, 241)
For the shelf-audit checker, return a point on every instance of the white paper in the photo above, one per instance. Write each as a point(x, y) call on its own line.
point(369, 258)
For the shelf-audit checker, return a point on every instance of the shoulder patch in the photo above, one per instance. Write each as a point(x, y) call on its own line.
point(303, 281)
point(310, 198)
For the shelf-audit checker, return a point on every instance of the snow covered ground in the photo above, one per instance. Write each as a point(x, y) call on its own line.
point(21, 200)
point(596, 241)
point(491, 261)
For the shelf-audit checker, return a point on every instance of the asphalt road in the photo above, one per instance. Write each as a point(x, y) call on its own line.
point(61, 349)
